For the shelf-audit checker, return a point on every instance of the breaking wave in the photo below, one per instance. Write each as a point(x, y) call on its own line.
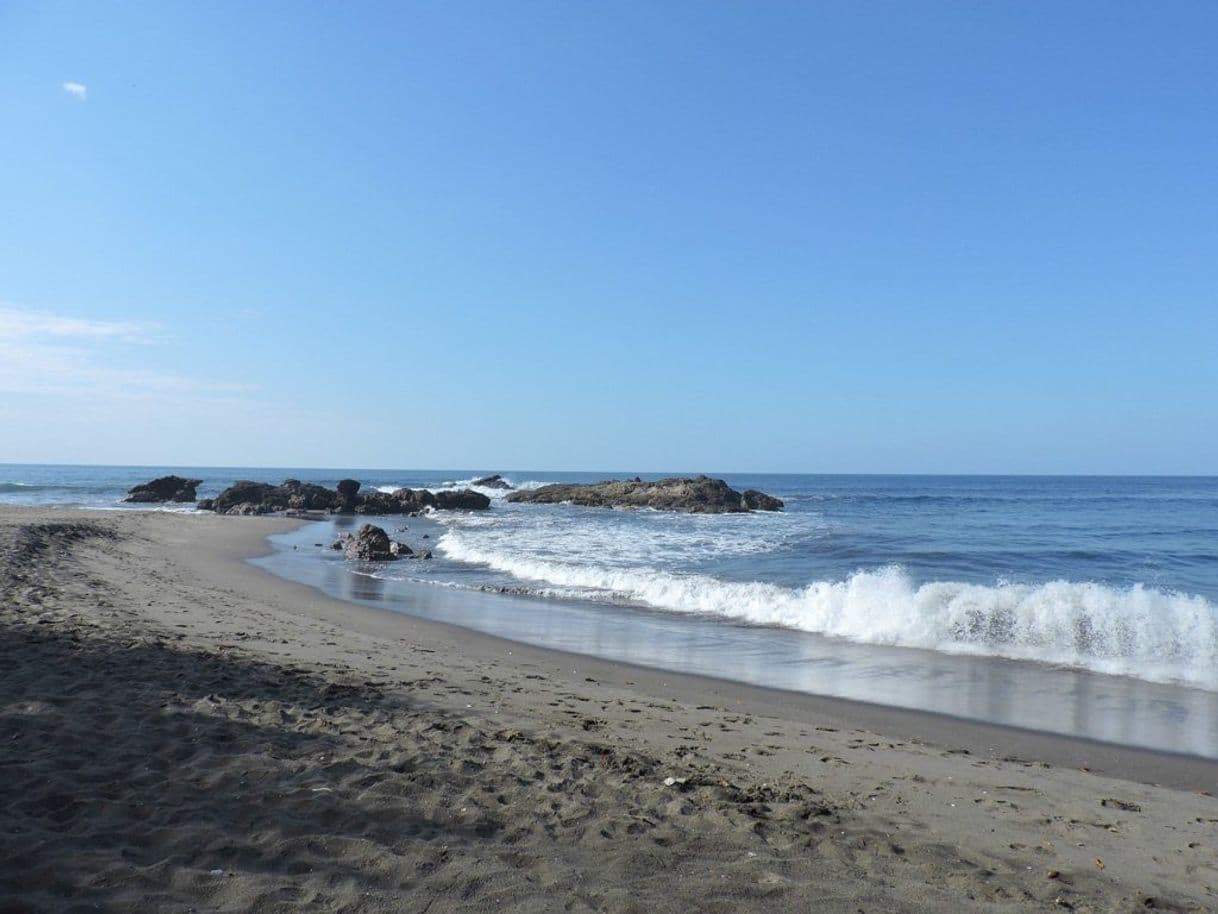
point(1135, 631)
point(450, 485)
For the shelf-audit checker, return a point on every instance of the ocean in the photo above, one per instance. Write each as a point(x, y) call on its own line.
point(1084, 605)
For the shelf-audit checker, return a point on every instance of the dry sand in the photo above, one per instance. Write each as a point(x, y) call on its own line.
point(180, 731)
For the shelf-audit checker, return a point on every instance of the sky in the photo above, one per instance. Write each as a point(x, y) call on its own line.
point(927, 237)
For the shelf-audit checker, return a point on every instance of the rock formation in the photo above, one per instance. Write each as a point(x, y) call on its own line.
point(492, 482)
point(759, 501)
point(372, 544)
point(163, 489)
point(245, 497)
point(461, 500)
point(348, 489)
point(699, 495)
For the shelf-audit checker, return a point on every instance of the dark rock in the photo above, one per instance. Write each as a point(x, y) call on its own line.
point(416, 501)
point(246, 497)
point(374, 502)
point(164, 488)
point(700, 495)
point(759, 501)
point(348, 489)
point(492, 482)
point(425, 554)
point(462, 500)
point(204, 504)
point(305, 496)
point(413, 501)
point(370, 544)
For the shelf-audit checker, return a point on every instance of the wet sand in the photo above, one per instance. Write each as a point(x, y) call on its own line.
point(182, 731)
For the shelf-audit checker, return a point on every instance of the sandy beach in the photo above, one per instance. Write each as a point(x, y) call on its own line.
point(182, 731)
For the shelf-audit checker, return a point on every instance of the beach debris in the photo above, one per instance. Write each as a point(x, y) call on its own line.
point(674, 782)
point(163, 489)
point(216, 872)
point(1098, 863)
point(1114, 803)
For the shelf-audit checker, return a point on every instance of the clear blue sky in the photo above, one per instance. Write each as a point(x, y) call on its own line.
point(848, 237)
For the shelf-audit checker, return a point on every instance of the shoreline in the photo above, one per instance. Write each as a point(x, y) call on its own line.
point(975, 803)
point(1181, 770)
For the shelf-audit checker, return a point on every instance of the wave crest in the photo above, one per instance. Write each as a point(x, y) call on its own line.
point(1135, 631)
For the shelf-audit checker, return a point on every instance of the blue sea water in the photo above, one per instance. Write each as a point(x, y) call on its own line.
point(1112, 578)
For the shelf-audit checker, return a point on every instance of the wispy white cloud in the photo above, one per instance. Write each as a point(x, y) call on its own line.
point(48, 354)
point(25, 323)
point(77, 90)
point(86, 390)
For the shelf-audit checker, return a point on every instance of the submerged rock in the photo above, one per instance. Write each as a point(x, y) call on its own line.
point(699, 495)
point(492, 482)
point(163, 489)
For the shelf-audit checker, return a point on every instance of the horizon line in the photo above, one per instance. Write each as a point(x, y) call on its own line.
point(620, 472)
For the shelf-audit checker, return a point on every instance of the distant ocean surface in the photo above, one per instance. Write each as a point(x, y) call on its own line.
point(1114, 575)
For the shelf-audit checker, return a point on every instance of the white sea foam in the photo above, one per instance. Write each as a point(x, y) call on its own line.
point(1136, 631)
point(452, 485)
point(625, 539)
